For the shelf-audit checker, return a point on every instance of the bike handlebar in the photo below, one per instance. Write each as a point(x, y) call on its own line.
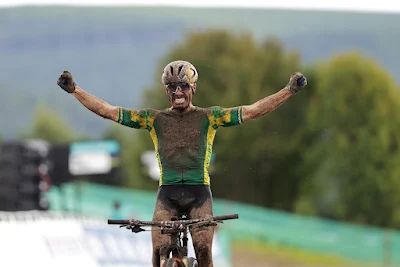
point(118, 221)
point(226, 217)
point(165, 223)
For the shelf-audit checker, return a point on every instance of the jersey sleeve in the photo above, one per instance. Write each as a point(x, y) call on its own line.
point(138, 119)
point(225, 117)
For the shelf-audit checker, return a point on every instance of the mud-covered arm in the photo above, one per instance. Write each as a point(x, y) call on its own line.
point(138, 119)
point(91, 102)
point(268, 104)
point(95, 104)
point(265, 105)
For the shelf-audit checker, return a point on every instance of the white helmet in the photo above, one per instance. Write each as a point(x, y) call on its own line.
point(179, 72)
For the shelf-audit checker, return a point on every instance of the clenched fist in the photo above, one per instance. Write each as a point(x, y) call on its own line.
point(297, 82)
point(66, 82)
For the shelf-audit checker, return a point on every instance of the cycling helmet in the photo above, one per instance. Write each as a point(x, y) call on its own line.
point(179, 72)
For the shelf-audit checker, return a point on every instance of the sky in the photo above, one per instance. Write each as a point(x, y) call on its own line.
point(387, 6)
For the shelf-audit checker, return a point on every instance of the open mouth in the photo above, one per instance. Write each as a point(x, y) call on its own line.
point(179, 101)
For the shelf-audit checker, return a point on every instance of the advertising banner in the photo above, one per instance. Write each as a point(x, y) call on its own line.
point(32, 238)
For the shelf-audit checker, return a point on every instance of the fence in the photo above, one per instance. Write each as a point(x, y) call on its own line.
point(354, 242)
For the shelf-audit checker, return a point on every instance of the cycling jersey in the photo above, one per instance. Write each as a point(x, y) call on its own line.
point(182, 141)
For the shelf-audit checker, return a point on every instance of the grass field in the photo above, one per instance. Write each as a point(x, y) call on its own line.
point(262, 255)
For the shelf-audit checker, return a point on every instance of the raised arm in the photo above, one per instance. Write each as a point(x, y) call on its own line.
point(91, 102)
point(270, 103)
point(96, 105)
point(138, 119)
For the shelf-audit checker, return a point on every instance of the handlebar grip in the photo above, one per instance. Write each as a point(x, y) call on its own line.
point(118, 221)
point(226, 217)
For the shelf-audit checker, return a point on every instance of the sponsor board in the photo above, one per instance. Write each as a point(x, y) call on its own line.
point(71, 241)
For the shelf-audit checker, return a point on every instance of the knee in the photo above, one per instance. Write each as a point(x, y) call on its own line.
point(203, 250)
point(156, 246)
point(202, 239)
point(204, 255)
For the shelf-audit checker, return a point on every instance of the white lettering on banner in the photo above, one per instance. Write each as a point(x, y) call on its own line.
point(73, 242)
point(125, 250)
point(26, 244)
point(95, 246)
point(122, 246)
point(112, 247)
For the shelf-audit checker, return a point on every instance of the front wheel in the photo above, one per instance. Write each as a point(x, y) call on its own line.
point(191, 262)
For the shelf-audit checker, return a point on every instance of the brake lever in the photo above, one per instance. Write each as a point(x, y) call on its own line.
point(137, 229)
point(134, 228)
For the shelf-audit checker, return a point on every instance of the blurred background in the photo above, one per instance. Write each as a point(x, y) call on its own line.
point(315, 183)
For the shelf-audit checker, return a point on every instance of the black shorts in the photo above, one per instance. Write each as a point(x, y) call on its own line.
point(183, 198)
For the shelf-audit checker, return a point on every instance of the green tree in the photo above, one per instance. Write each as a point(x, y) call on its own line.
point(355, 110)
point(258, 162)
point(49, 126)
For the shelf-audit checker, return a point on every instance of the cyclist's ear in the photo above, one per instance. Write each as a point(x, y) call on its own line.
point(194, 88)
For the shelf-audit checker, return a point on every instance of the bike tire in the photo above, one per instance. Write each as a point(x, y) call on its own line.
point(171, 263)
point(191, 262)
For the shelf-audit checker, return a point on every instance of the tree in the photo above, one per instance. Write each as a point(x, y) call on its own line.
point(258, 162)
point(356, 112)
point(49, 126)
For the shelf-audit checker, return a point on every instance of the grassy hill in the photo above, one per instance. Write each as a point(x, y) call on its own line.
point(114, 52)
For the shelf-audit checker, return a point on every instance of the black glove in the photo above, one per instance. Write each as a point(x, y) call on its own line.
point(297, 82)
point(66, 82)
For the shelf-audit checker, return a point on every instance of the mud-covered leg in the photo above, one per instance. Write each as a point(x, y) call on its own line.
point(162, 212)
point(203, 236)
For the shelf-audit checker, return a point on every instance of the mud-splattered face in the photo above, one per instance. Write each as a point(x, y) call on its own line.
point(180, 95)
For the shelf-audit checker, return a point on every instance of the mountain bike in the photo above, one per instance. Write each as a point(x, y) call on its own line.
point(177, 228)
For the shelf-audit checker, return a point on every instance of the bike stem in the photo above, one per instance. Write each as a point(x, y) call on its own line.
point(185, 242)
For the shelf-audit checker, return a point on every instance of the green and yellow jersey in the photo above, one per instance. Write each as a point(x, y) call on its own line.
point(182, 141)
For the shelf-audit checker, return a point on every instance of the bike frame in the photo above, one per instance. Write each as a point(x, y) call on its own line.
point(177, 245)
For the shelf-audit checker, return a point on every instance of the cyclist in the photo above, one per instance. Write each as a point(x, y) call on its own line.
point(183, 136)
